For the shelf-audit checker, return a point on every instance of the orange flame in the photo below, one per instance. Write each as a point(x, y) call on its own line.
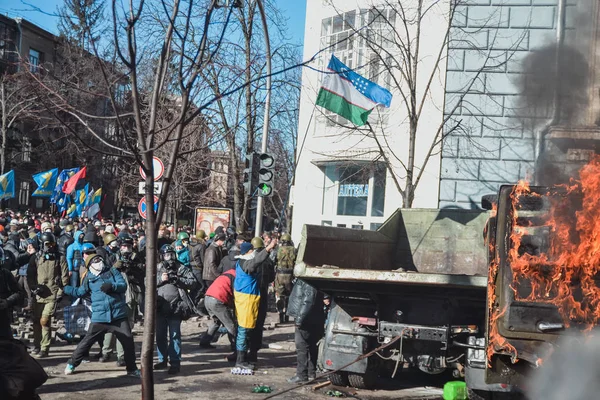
point(566, 274)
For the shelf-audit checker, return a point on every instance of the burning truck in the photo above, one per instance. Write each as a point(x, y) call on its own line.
point(485, 294)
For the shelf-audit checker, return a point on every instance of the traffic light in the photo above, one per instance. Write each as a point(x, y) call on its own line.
point(266, 175)
point(251, 173)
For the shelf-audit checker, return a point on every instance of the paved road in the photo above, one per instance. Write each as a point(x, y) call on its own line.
point(205, 374)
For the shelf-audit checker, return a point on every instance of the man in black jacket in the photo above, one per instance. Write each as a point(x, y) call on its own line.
point(212, 259)
point(306, 307)
point(10, 295)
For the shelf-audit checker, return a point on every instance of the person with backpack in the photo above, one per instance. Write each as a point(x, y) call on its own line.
point(47, 274)
point(284, 275)
point(107, 288)
point(173, 279)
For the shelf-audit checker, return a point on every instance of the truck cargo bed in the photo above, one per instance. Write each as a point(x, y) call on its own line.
point(336, 281)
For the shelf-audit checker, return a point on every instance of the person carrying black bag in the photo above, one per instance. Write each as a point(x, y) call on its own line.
point(172, 306)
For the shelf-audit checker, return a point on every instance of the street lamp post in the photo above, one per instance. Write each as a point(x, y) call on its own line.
point(266, 118)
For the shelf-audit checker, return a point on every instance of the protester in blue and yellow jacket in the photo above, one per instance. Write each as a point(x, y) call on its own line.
point(246, 292)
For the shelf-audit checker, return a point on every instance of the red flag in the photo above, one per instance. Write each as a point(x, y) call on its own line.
point(70, 184)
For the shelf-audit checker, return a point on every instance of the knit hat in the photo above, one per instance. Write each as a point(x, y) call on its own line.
point(245, 247)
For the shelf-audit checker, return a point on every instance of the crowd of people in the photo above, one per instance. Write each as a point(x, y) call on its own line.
point(101, 265)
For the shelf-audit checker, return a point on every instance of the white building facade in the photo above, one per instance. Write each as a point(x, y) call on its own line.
point(345, 177)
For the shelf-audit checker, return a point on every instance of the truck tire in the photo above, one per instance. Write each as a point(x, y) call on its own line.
point(339, 378)
point(363, 381)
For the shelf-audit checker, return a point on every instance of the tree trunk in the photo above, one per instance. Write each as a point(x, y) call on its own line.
point(150, 297)
point(409, 190)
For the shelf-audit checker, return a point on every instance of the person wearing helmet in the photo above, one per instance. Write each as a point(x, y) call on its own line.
point(172, 276)
point(247, 294)
point(106, 287)
point(49, 274)
point(266, 275)
point(111, 245)
point(75, 257)
point(284, 275)
point(182, 248)
point(65, 239)
point(132, 269)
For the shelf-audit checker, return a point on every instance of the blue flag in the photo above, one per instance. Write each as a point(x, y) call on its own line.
point(63, 202)
point(64, 175)
point(7, 185)
point(81, 196)
point(46, 182)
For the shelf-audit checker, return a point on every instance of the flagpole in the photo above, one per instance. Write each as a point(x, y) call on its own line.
point(265, 135)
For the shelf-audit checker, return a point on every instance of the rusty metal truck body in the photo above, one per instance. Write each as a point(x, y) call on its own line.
point(423, 276)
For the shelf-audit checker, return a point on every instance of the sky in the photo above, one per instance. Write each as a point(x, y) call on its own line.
point(294, 10)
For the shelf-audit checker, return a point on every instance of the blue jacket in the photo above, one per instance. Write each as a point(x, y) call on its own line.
point(74, 255)
point(183, 255)
point(106, 307)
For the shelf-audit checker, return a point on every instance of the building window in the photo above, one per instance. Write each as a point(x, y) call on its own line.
point(375, 226)
point(361, 227)
point(325, 223)
point(24, 194)
point(35, 58)
point(39, 203)
point(356, 38)
point(26, 151)
point(353, 191)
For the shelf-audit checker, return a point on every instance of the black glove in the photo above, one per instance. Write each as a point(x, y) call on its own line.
point(106, 287)
point(36, 289)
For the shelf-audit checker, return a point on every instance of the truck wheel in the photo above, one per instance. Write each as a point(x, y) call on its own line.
point(339, 379)
point(362, 381)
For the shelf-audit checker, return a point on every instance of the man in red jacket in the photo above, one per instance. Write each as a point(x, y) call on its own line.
point(218, 301)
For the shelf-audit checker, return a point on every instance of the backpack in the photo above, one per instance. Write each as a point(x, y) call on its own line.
point(286, 257)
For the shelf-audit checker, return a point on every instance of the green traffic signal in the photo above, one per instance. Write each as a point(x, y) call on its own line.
point(266, 175)
point(264, 190)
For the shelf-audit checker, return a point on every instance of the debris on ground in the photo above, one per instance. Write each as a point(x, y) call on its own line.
point(261, 389)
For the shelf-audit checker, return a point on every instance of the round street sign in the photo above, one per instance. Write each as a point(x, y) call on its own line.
point(158, 166)
point(143, 209)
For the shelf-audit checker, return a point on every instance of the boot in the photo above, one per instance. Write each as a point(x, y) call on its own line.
point(241, 361)
point(232, 357)
point(281, 317)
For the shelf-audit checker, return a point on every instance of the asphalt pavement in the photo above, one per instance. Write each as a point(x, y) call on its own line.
point(205, 374)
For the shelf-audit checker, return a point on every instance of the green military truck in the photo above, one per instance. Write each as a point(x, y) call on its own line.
point(424, 276)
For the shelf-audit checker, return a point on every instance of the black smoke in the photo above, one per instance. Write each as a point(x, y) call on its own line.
point(540, 80)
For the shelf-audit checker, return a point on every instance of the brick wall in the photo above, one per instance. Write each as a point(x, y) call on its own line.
point(486, 143)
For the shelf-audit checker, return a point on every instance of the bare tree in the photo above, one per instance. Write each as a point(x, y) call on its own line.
point(403, 53)
point(239, 118)
point(16, 106)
